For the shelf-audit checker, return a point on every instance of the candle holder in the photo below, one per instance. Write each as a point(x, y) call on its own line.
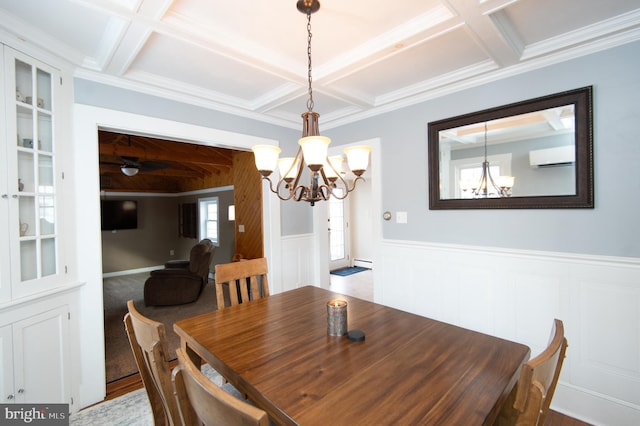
point(336, 317)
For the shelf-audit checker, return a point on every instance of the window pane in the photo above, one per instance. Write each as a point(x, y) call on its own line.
point(209, 219)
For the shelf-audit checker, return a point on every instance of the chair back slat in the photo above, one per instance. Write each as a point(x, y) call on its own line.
point(246, 279)
point(149, 346)
point(529, 403)
point(203, 402)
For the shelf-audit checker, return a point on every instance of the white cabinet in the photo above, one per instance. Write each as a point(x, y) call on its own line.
point(31, 183)
point(35, 358)
point(36, 297)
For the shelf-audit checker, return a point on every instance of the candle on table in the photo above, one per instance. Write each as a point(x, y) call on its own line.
point(336, 317)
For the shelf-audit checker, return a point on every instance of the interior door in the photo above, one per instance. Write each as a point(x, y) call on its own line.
point(339, 253)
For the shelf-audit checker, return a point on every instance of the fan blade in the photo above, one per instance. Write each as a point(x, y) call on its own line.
point(149, 166)
point(130, 161)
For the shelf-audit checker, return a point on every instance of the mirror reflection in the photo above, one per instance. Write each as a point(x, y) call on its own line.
point(525, 155)
point(535, 154)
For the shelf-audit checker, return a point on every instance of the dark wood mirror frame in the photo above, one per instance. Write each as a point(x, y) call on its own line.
point(583, 198)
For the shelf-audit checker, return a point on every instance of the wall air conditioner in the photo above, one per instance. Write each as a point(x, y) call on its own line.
point(553, 157)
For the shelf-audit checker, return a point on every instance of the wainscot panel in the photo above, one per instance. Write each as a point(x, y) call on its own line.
point(297, 266)
point(516, 294)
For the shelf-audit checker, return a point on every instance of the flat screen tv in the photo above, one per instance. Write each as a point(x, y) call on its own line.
point(118, 214)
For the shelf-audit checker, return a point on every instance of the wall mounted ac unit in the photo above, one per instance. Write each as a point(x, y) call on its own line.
point(553, 157)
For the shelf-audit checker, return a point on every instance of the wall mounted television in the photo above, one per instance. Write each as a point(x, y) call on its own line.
point(118, 214)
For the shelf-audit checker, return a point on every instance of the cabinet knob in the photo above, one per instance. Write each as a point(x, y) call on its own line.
point(5, 196)
point(20, 390)
point(9, 397)
point(14, 196)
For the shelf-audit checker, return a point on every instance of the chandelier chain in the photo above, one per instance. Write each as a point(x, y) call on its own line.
point(310, 100)
point(324, 172)
point(485, 141)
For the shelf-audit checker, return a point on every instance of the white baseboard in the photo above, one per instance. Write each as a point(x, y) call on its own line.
point(132, 271)
point(593, 408)
point(364, 263)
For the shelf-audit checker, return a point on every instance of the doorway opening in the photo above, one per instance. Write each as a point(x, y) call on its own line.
point(361, 213)
point(339, 252)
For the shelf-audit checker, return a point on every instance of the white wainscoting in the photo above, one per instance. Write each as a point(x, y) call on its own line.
point(297, 261)
point(515, 294)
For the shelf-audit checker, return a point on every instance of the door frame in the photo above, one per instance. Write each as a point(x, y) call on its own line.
point(86, 218)
point(320, 236)
point(346, 222)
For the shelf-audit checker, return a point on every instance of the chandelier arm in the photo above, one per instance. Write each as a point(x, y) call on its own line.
point(299, 159)
point(354, 183)
point(493, 183)
point(325, 192)
point(276, 190)
point(347, 189)
point(299, 192)
point(325, 179)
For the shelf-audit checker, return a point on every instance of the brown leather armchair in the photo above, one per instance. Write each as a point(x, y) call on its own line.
point(176, 286)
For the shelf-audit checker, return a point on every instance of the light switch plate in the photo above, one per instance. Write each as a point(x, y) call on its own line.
point(240, 228)
point(401, 217)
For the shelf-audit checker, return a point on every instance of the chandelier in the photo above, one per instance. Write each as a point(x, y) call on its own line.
point(487, 187)
point(325, 173)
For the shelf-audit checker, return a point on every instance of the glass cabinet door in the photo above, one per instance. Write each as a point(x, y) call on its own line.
point(32, 177)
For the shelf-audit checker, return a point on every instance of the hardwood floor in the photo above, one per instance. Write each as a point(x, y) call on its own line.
point(557, 419)
point(358, 285)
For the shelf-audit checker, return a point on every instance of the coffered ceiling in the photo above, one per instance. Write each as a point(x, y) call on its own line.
point(249, 57)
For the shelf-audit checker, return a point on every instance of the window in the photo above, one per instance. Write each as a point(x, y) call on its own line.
point(209, 218)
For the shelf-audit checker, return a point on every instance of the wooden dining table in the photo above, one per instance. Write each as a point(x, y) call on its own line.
point(409, 370)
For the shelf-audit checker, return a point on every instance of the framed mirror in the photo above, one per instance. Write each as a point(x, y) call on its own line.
point(535, 154)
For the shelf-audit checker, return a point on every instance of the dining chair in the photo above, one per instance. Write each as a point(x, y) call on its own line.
point(203, 402)
point(529, 402)
point(149, 345)
point(246, 280)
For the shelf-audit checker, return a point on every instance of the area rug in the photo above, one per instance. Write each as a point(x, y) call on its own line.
point(130, 409)
point(349, 271)
point(117, 290)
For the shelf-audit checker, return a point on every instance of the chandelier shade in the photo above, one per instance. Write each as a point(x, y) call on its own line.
point(266, 158)
point(288, 167)
point(324, 173)
point(333, 167)
point(358, 158)
point(314, 150)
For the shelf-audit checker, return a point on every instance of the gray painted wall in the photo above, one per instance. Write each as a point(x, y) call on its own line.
point(149, 245)
point(295, 218)
point(609, 229)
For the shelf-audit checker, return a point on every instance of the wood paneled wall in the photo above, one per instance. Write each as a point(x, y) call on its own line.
point(248, 201)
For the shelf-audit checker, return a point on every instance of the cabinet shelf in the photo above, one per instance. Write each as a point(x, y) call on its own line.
point(33, 183)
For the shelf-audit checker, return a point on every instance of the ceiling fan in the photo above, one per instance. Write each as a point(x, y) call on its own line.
point(130, 166)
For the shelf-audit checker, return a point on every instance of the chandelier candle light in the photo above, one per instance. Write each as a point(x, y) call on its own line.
point(325, 173)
